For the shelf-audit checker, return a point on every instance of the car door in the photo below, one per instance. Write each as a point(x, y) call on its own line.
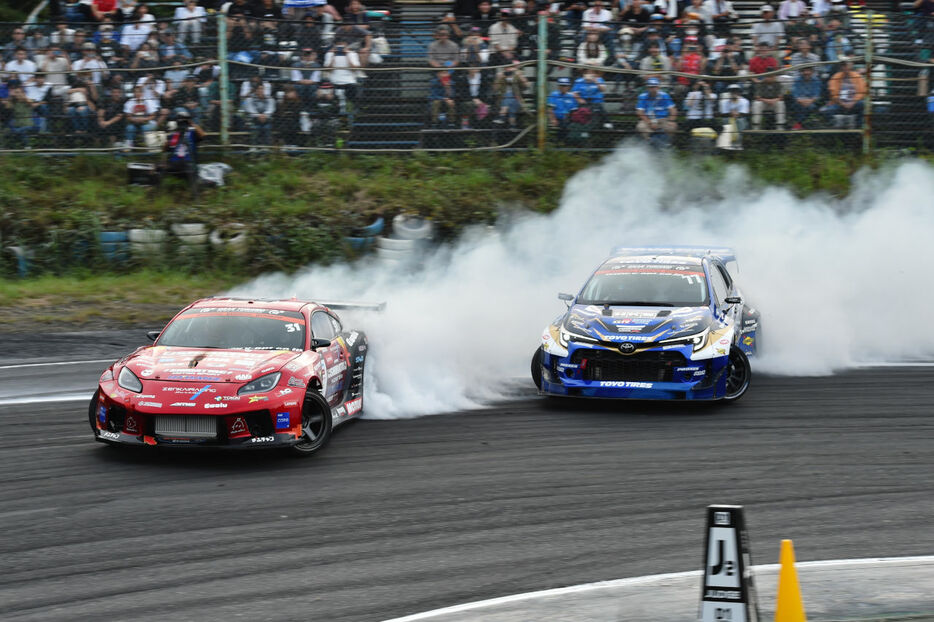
point(334, 356)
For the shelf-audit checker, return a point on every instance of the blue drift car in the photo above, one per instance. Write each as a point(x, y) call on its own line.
point(652, 323)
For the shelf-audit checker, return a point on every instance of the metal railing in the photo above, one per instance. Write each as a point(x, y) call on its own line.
point(385, 85)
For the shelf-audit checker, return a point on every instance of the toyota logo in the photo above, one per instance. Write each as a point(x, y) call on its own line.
point(627, 348)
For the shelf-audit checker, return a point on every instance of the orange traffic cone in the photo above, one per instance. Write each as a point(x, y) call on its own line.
point(788, 604)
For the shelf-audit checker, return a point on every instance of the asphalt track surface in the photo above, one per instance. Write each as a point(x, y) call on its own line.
point(397, 517)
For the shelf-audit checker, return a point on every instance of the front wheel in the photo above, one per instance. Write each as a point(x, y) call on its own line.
point(316, 424)
point(537, 368)
point(738, 374)
point(92, 411)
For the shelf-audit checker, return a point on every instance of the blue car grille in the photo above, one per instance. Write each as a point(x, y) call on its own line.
point(641, 367)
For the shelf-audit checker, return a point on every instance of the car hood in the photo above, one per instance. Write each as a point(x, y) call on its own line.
point(177, 364)
point(639, 323)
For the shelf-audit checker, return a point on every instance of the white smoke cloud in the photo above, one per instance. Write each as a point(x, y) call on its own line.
point(838, 281)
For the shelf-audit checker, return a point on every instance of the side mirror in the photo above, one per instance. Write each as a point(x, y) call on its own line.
point(733, 300)
point(566, 297)
point(153, 334)
point(320, 343)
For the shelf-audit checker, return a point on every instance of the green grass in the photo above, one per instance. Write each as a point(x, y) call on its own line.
point(298, 210)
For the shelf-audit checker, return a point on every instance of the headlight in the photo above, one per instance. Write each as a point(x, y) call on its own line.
point(261, 384)
point(697, 340)
point(128, 380)
point(564, 336)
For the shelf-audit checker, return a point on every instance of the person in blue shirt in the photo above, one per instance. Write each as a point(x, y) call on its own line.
point(806, 94)
point(657, 111)
point(591, 87)
point(562, 102)
point(181, 150)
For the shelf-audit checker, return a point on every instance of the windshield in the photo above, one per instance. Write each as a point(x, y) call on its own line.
point(650, 285)
point(258, 329)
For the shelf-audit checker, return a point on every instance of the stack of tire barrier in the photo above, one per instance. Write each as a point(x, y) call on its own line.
point(192, 237)
point(147, 243)
point(231, 238)
point(114, 246)
point(364, 237)
point(410, 234)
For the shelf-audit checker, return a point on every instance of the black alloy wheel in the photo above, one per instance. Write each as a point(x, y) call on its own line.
point(316, 424)
point(738, 374)
point(92, 412)
point(537, 368)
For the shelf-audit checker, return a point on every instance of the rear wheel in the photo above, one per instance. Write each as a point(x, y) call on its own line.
point(316, 424)
point(738, 374)
point(537, 368)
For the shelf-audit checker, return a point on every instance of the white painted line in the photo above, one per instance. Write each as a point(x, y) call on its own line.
point(648, 580)
point(21, 365)
point(871, 365)
point(44, 399)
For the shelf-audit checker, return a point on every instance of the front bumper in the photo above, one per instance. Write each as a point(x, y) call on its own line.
point(244, 443)
point(651, 374)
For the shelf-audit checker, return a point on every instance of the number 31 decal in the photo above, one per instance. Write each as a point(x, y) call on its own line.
point(292, 327)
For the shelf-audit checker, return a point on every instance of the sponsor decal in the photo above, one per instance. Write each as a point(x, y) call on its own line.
point(295, 382)
point(362, 348)
point(193, 378)
point(354, 406)
point(151, 404)
point(359, 359)
point(102, 413)
point(699, 373)
point(625, 338)
point(339, 367)
point(724, 342)
point(284, 392)
point(290, 403)
point(131, 425)
point(188, 390)
point(293, 366)
point(263, 439)
point(215, 405)
point(197, 372)
point(166, 359)
point(239, 425)
point(340, 411)
point(721, 351)
point(243, 376)
point(627, 348)
point(258, 398)
point(673, 346)
point(183, 404)
point(266, 370)
point(683, 369)
point(199, 392)
point(282, 421)
point(352, 338)
point(110, 435)
point(748, 340)
point(226, 398)
point(625, 384)
point(144, 397)
point(145, 372)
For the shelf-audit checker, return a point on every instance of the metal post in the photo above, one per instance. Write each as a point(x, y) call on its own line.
point(224, 77)
point(541, 79)
point(867, 106)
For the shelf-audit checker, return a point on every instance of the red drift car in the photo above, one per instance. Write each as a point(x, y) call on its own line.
point(236, 373)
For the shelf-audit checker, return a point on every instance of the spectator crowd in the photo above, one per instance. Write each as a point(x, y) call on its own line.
point(109, 73)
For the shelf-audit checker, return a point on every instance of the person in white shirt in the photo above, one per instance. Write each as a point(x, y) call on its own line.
point(56, 67)
point(62, 34)
point(342, 63)
point(21, 67)
point(38, 94)
point(790, 9)
point(134, 34)
point(140, 115)
point(190, 17)
point(260, 109)
point(153, 87)
point(503, 36)
point(596, 18)
point(90, 62)
point(735, 107)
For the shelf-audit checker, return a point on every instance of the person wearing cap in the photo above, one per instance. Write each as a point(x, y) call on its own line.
point(656, 110)
point(806, 94)
point(172, 49)
point(441, 95)
point(306, 76)
point(768, 30)
point(846, 93)
point(561, 102)
point(181, 150)
point(442, 52)
point(734, 107)
point(89, 61)
point(657, 63)
point(474, 50)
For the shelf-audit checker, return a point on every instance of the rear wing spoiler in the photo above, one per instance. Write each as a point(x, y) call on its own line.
point(723, 253)
point(357, 306)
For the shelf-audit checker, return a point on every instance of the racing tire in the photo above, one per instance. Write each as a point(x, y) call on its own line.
point(537, 368)
point(92, 412)
point(316, 424)
point(738, 374)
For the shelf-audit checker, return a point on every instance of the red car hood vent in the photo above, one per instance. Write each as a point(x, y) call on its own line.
point(206, 365)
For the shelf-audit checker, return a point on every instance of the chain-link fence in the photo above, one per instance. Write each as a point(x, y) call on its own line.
point(419, 77)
